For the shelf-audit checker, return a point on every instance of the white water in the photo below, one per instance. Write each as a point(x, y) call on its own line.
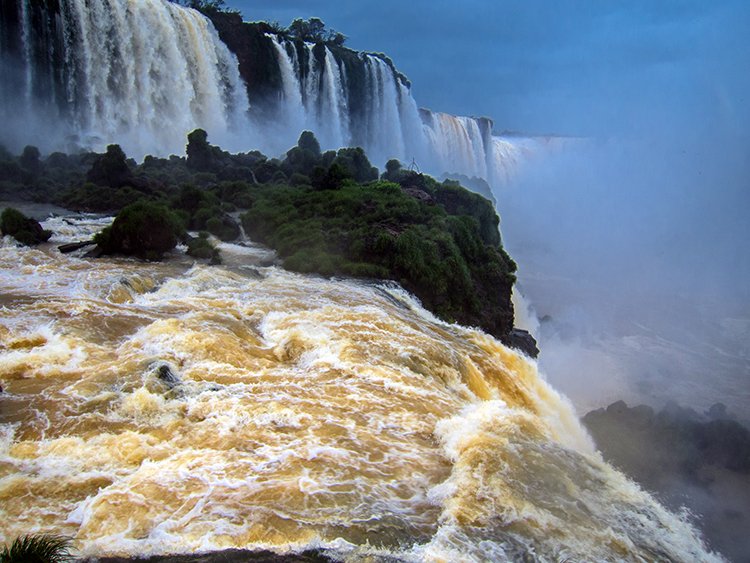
point(307, 413)
point(144, 73)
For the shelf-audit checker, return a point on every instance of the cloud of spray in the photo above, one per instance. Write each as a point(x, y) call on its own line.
point(633, 246)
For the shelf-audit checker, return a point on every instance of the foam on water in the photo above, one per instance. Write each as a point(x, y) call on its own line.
point(213, 409)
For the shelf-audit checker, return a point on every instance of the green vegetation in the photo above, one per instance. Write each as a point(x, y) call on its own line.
point(24, 229)
point(201, 247)
point(323, 212)
point(38, 548)
point(312, 30)
point(111, 169)
point(143, 229)
point(380, 231)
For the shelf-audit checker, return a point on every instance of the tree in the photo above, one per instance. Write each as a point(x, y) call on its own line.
point(143, 229)
point(30, 159)
point(314, 30)
point(110, 169)
point(199, 152)
point(307, 141)
point(355, 161)
point(203, 5)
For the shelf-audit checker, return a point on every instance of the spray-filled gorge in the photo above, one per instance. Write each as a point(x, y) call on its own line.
point(173, 406)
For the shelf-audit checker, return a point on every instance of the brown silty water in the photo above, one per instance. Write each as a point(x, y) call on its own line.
point(175, 407)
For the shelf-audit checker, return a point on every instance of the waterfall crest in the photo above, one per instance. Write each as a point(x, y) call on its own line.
point(144, 73)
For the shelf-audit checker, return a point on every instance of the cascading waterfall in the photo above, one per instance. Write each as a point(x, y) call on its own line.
point(390, 124)
point(141, 73)
point(153, 408)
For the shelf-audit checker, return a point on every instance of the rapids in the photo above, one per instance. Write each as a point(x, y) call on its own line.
point(175, 407)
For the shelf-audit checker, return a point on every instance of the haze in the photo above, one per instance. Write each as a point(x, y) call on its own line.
point(633, 243)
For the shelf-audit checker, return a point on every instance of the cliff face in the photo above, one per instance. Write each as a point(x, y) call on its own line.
point(256, 57)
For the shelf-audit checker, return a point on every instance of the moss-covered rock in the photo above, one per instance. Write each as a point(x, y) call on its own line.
point(201, 247)
point(24, 229)
point(143, 229)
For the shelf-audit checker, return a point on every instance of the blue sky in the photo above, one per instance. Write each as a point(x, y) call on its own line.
point(580, 67)
point(655, 208)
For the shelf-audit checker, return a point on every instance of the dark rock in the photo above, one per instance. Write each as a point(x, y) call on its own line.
point(522, 340)
point(687, 460)
point(421, 195)
point(73, 246)
point(165, 374)
point(226, 556)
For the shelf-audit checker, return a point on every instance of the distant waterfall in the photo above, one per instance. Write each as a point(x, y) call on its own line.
point(143, 73)
point(317, 95)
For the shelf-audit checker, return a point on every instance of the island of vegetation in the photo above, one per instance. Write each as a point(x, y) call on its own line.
point(329, 213)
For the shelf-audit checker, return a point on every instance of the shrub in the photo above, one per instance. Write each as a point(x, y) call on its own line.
point(143, 229)
point(201, 247)
point(24, 229)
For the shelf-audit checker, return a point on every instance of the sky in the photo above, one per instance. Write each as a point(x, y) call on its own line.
point(576, 67)
point(635, 244)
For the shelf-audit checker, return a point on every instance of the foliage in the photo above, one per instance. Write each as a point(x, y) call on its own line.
point(201, 247)
point(24, 229)
point(39, 548)
point(314, 30)
point(324, 212)
point(110, 169)
point(200, 155)
point(143, 229)
point(378, 230)
point(90, 197)
point(29, 159)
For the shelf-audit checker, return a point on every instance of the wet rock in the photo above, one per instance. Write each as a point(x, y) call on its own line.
point(522, 340)
point(165, 374)
point(73, 246)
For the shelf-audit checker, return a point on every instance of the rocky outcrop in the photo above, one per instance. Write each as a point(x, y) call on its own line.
point(522, 340)
point(25, 230)
point(688, 459)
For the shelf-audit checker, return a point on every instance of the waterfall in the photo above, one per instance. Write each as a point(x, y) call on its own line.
point(143, 73)
point(317, 95)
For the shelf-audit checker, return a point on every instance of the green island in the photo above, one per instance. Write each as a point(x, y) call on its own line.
point(329, 213)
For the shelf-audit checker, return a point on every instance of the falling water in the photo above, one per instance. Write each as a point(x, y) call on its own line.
point(174, 407)
point(144, 73)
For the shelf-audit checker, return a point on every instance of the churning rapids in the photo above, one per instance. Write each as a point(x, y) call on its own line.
point(174, 407)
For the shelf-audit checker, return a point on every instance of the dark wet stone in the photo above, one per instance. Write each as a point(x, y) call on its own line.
point(522, 340)
point(226, 556)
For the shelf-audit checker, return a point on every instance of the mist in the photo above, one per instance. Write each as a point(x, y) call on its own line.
point(632, 242)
